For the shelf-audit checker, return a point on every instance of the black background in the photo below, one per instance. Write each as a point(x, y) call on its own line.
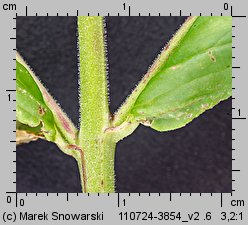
point(196, 158)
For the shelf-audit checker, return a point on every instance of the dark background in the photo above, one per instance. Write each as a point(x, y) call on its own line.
point(196, 158)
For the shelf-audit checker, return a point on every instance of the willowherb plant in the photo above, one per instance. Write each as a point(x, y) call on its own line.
point(192, 74)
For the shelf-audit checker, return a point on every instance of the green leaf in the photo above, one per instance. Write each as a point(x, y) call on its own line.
point(25, 134)
point(36, 109)
point(30, 106)
point(192, 74)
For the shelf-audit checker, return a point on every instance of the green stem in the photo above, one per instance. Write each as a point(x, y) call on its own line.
point(97, 177)
point(98, 150)
point(107, 164)
point(95, 149)
point(97, 173)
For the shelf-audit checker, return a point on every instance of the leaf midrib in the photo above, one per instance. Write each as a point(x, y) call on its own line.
point(180, 64)
point(195, 55)
point(154, 99)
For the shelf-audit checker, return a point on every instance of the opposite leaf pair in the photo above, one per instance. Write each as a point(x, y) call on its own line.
point(192, 74)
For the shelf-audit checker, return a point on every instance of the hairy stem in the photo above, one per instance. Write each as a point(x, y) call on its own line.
point(94, 111)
